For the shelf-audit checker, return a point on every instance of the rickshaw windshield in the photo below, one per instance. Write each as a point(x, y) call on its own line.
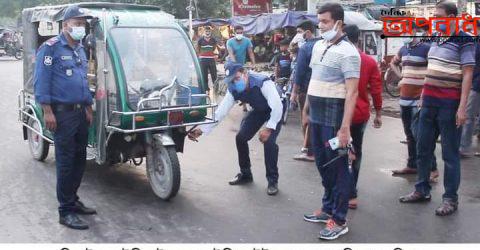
point(151, 58)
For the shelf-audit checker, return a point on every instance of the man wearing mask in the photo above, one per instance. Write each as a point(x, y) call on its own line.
point(413, 57)
point(61, 87)
point(332, 95)
point(205, 48)
point(451, 61)
point(298, 38)
point(262, 95)
point(238, 47)
point(303, 73)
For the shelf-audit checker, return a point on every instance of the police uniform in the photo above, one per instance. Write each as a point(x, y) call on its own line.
point(262, 95)
point(60, 80)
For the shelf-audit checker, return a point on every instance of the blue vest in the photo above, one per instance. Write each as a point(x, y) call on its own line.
point(253, 95)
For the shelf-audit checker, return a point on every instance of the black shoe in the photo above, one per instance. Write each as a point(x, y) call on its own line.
point(272, 189)
point(72, 221)
point(241, 179)
point(82, 209)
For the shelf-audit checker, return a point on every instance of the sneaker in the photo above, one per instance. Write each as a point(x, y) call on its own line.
point(304, 157)
point(323, 217)
point(333, 230)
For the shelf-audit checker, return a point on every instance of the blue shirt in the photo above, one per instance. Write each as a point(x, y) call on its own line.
point(240, 48)
point(303, 72)
point(476, 72)
point(284, 63)
point(60, 75)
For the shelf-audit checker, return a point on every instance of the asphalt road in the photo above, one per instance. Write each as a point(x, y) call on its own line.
point(207, 209)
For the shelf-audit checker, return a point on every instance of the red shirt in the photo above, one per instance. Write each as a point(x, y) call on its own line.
point(369, 82)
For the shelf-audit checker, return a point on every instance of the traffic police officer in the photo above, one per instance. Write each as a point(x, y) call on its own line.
point(61, 88)
point(262, 95)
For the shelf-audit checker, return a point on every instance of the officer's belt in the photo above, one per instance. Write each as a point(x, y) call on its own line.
point(67, 107)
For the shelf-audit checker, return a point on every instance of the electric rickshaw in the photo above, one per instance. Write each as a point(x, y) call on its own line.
point(146, 83)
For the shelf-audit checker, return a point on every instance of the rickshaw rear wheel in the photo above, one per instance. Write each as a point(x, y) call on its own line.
point(163, 171)
point(37, 145)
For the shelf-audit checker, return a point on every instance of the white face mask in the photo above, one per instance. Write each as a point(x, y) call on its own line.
point(77, 33)
point(239, 36)
point(330, 34)
point(408, 40)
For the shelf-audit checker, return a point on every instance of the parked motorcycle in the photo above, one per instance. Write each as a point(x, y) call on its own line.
point(12, 49)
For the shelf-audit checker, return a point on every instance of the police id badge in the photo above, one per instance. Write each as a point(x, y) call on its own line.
point(69, 72)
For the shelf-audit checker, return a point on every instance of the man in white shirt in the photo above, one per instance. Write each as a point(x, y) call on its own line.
point(262, 95)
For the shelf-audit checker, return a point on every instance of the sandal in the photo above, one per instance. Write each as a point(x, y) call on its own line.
point(447, 208)
point(434, 176)
point(415, 197)
point(352, 204)
point(405, 170)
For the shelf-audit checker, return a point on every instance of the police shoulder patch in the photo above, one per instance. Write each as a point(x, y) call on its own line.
point(52, 41)
point(48, 60)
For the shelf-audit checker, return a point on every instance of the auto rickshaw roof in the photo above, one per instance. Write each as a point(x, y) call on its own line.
point(55, 13)
point(117, 15)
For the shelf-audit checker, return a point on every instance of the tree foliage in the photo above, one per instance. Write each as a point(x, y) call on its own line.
point(204, 8)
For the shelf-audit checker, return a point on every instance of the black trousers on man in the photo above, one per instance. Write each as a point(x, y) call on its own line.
point(208, 65)
point(70, 138)
point(249, 127)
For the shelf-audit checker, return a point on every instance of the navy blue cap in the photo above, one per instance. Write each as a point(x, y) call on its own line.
point(230, 70)
point(74, 11)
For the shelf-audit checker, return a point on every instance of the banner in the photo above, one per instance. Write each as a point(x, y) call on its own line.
point(251, 7)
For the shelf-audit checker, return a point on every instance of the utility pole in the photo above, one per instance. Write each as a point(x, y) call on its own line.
point(190, 10)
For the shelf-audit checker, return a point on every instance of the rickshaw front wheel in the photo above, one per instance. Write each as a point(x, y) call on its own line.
point(37, 145)
point(163, 170)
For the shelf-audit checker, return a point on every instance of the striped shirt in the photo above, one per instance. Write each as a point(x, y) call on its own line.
point(331, 66)
point(414, 67)
point(443, 81)
point(207, 48)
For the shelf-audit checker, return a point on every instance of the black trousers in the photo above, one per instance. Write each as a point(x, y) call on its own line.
point(71, 138)
point(249, 127)
point(356, 131)
point(208, 65)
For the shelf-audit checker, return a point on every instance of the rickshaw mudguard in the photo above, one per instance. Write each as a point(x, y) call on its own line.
point(163, 139)
point(38, 113)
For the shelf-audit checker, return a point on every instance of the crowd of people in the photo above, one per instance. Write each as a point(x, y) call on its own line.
point(332, 82)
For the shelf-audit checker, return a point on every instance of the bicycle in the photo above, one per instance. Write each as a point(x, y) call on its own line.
point(390, 83)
